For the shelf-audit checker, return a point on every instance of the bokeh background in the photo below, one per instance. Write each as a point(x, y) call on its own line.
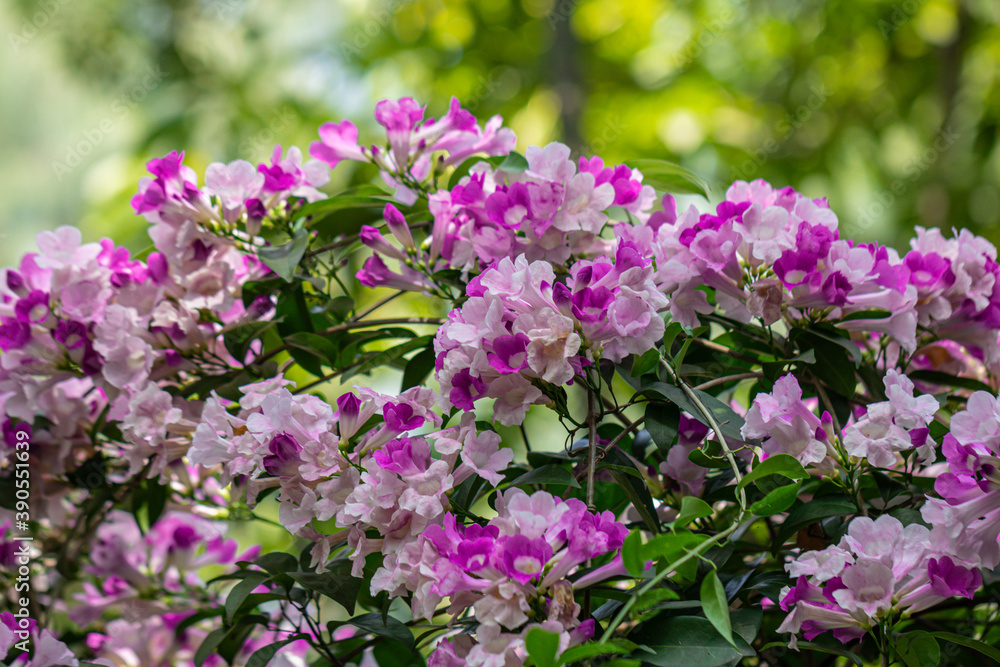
point(889, 108)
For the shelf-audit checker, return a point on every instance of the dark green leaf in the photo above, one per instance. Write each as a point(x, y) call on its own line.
point(945, 379)
point(277, 562)
point(592, 650)
point(918, 649)
point(670, 177)
point(814, 510)
point(284, 259)
point(633, 486)
point(336, 583)
point(386, 357)
point(240, 592)
point(262, 656)
point(729, 421)
point(391, 628)
point(662, 420)
point(208, 645)
point(821, 648)
point(686, 641)
point(418, 368)
point(989, 651)
point(548, 474)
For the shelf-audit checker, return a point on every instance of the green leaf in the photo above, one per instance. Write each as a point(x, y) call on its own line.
point(262, 656)
point(948, 380)
point(670, 177)
point(366, 194)
point(284, 259)
point(240, 592)
point(777, 501)
point(635, 487)
point(316, 345)
point(388, 652)
point(811, 512)
point(277, 562)
point(585, 651)
point(391, 629)
point(673, 330)
point(918, 649)
point(542, 647)
point(646, 363)
point(336, 583)
point(419, 367)
point(547, 474)
point(691, 508)
point(208, 645)
point(698, 457)
point(514, 163)
point(386, 357)
point(687, 641)
point(729, 421)
point(632, 556)
point(662, 420)
point(976, 645)
point(715, 605)
point(785, 465)
point(820, 648)
point(669, 547)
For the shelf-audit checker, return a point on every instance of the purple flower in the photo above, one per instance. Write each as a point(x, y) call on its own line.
point(70, 334)
point(14, 334)
point(465, 389)
point(283, 461)
point(338, 141)
point(33, 308)
point(949, 579)
point(509, 353)
point(401, 417)
point(522, 558)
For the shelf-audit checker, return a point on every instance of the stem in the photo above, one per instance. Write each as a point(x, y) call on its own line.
point(718, 538)
point(375, 306)
point(728, 378)
point(591, 447)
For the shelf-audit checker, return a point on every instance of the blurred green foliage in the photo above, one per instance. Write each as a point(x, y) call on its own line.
point(889, 108)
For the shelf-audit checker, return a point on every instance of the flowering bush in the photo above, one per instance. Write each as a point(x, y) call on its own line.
point(765, 428)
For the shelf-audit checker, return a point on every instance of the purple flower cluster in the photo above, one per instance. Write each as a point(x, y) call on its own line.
point(879, 568)
point(522, 324)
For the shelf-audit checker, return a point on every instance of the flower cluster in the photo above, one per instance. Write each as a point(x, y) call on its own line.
point(879, 569)
point(521, 324)
point(511, 572)
point(408, 160)
point(966, 520)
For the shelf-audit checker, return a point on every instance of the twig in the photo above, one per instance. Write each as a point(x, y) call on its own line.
point(728, 378)
point(591, 447)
